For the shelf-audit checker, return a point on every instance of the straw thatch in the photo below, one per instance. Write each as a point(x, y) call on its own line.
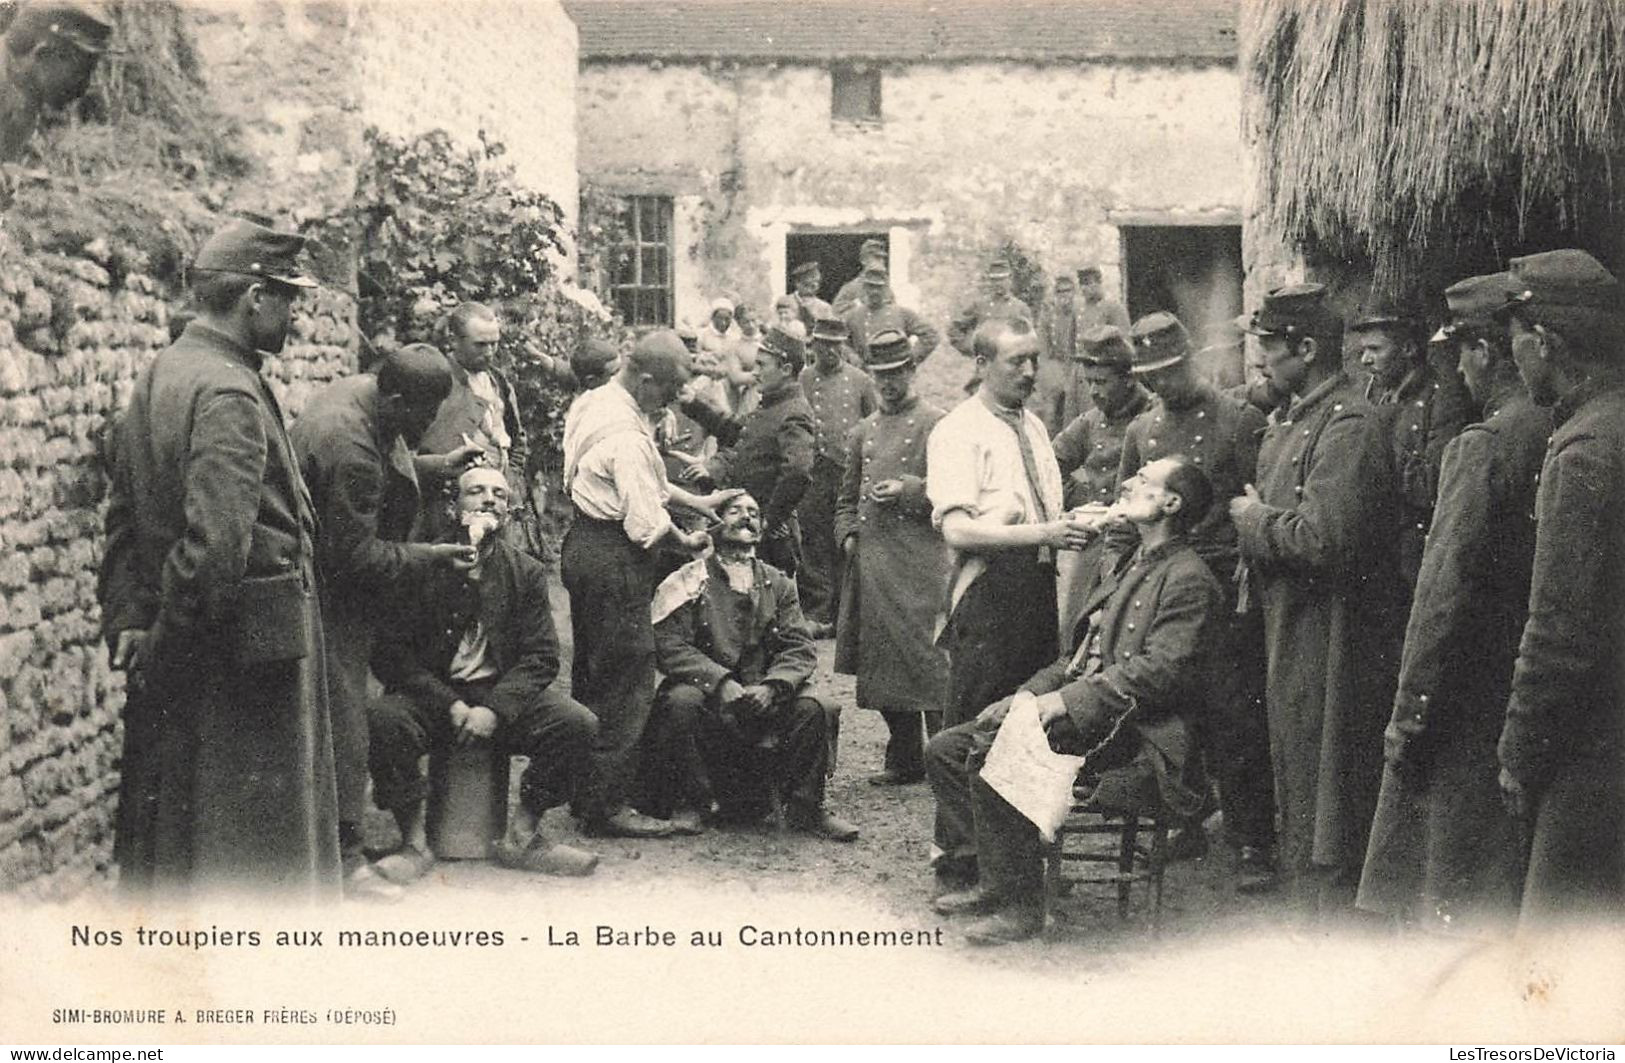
point(1402, 131)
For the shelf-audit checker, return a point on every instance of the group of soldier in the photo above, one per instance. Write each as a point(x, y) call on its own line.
point(1239, 609)
point(1202, 592)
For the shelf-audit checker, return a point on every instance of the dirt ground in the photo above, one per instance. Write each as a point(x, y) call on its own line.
point(885, 869)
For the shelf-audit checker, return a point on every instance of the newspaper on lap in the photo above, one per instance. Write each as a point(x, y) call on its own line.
point(1023, 769)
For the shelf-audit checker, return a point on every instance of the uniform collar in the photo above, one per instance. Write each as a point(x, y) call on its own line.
point(1506, 391)
point(789, 388)
point(239, 352)
point(1317, 394)
point(1571, 404)
point(1138, 402)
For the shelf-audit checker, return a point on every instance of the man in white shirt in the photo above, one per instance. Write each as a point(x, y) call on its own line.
point(995, 492)
point(616, 480)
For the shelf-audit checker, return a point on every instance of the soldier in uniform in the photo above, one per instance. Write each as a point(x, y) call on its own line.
point(769, 453)
point(840, 397)
point(51, 50)
point(879, 311)
point(806, 279)
point(1220, 436)
point(896, 564)
point(1423, 409)
point(1058, 329)
point(1317, 538)
point(355, 442)
point(1089, 452)
point(872, 255)
point(1564, 738)
point(209, 604)
point(998, 304)
point(1443, 851)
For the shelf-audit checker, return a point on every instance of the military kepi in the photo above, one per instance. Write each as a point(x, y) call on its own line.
point(1474, 301)
point(85, 24)
point(1159, 341)
point(805, 269)
point(887, 349)
point(1295, 310)
point(827, 326)
point(1567, 277)
point(254, 251)
point(1105, 345)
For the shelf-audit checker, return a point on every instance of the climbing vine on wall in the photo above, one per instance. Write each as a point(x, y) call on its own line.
point(438, 224)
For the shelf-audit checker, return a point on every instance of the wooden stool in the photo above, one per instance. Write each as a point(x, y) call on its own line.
point(1126, 808)
point(468, 800)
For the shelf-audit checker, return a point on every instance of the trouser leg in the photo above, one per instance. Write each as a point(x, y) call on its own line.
point(556, 733)
point(1009, 851)
point(905, 746)
point(607, 577)
point(802, 757)
point(348, 647)
point(672, 771)
point(1236, 734)
point(401, 731)
point(819, 578)
point(951, 758)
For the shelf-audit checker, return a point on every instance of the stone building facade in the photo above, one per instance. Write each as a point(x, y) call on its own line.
point(79, 319)
point(771, 133)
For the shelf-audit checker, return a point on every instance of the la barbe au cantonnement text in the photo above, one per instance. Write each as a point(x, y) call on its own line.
point(600, 935)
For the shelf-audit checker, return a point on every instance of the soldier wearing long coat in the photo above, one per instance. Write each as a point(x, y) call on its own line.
point(227, 776)
point(897, 570)
point(1442, 847)
point(1562, 747)
point(1318, 547)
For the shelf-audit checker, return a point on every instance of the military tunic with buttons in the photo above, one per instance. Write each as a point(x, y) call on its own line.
point(1320, 551)
point(1089, 451)
point(1220, 436)
point(227, 777)
point(1564, 736)
point(1442, 847)
point(1420, 417)
point(891, 600)
point(839, 399)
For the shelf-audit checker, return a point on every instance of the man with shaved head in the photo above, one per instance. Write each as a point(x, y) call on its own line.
point(616, 480)
point(355, 442)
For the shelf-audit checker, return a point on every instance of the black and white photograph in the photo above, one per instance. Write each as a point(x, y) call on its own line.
point(785, 522)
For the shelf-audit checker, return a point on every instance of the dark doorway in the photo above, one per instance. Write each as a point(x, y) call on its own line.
point(835, 253)
point(1194, 273)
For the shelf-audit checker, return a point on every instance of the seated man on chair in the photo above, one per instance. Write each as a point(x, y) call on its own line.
point(734, 726)
point(472, 656)
point(1122, 698)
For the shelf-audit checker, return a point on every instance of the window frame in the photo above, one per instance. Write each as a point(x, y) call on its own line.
point(850, 73)
point(660, 297)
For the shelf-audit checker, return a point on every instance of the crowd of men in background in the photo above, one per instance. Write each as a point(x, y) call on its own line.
point(1375, 622)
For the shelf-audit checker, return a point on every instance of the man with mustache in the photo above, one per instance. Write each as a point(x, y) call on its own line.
point(472, 656)
point(995, 492)
point(734, 717)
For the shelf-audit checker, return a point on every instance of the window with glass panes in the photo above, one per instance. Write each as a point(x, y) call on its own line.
point(642, 284)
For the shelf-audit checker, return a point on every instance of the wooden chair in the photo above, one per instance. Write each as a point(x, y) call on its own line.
point(1125, 806)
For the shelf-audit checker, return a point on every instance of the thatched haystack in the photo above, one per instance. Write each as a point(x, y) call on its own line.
point(1426, 138)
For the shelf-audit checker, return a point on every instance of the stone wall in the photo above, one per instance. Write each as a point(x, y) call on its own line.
point(79, 321)
point(507, 67)
point(1056, 158)
point(74, 332)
